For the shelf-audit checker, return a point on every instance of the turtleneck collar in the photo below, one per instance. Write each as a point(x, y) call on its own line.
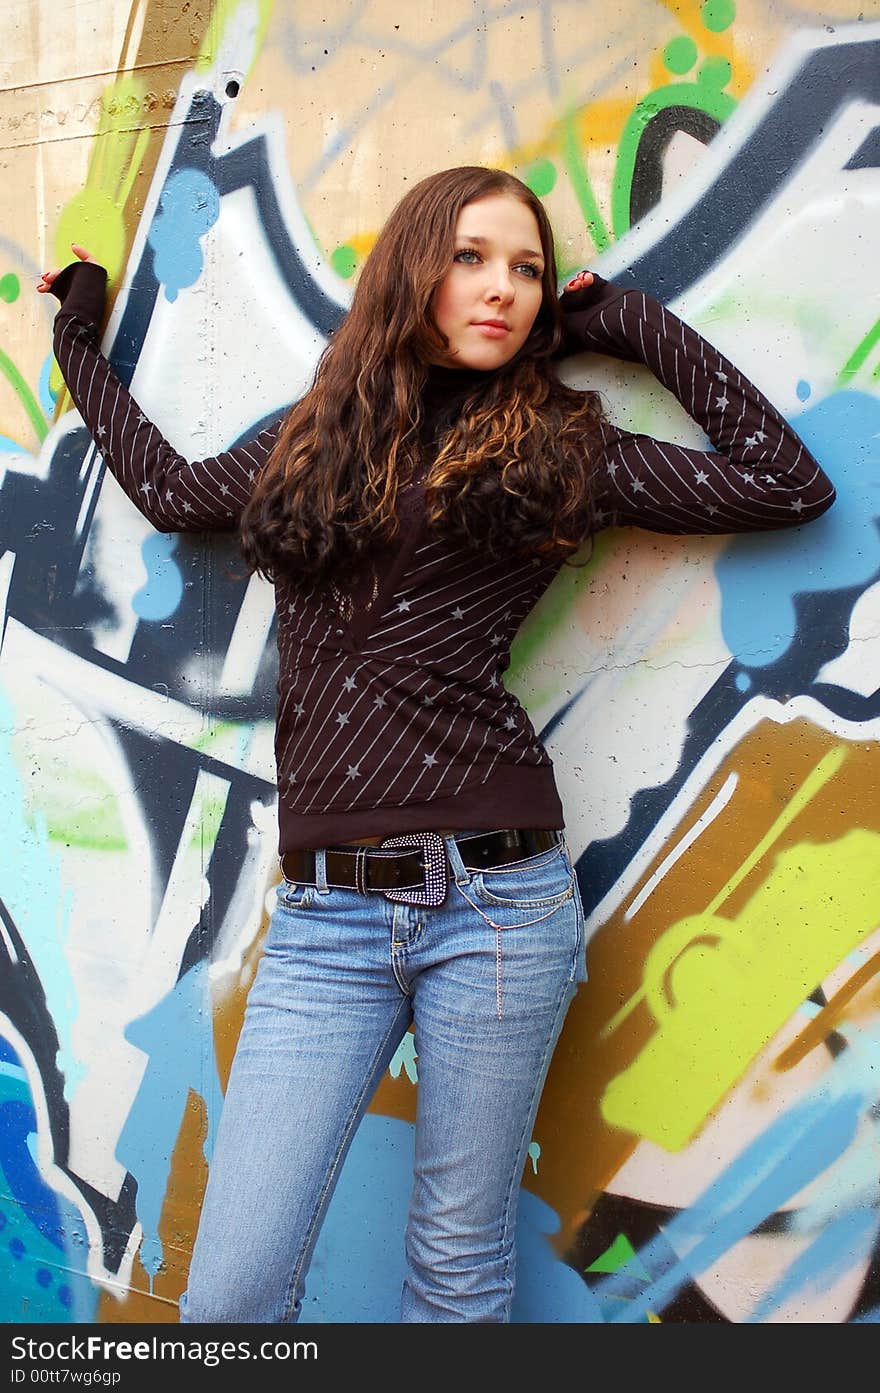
point(444, 392)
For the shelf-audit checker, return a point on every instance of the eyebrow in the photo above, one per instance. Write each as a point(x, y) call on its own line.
point(481, 241)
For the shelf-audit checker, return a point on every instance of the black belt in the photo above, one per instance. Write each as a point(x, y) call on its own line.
point(413, 867)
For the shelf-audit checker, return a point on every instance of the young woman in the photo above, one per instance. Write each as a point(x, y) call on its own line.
point(410, 510)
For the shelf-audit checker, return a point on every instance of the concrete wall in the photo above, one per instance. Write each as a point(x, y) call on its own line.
point(707, 1143)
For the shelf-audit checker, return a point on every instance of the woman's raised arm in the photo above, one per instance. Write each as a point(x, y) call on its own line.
point(760, 475)
point(175, 494)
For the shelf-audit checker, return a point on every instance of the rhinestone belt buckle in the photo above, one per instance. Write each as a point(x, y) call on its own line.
point(435, 868)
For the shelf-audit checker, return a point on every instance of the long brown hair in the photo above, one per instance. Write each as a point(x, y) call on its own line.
point(511, 473)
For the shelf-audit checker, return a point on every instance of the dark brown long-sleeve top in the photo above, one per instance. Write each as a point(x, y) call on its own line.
point(392, 715)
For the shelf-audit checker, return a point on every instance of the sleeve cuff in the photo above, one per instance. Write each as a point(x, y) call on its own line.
point(597, 295)
point(581, 309)
point(82, 289)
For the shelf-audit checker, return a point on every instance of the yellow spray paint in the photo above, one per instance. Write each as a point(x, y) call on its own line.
point(720, 988)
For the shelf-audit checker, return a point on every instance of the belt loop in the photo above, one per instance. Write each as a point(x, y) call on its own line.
point(321, 872)
point(462, 876)
point(360, 870)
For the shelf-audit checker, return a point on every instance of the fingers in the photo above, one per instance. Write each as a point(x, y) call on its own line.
point(580, 281)
point(46, 279)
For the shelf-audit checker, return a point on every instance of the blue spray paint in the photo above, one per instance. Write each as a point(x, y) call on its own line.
point(43, 1240)
point(840, 1247)
point(31, 887)
point(189, 206)
point(173, 1037)
point(161, 594)
point(45, 394)
point(405, 1057)
point(797, 1148)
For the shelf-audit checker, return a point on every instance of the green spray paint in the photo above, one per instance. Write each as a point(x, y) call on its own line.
point(620, 1254)
point(344, 261)
point(859, 355)
point(718, 15)
point(580, 183)
point(540, 176)
point(680, 54)
point(25, 395)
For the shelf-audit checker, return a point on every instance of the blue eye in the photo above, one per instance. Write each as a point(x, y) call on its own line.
point(468, 256)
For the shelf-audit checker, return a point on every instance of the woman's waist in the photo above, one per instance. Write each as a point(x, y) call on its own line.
point(507, 795)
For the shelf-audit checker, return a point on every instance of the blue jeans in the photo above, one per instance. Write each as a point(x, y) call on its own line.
point(486, 980)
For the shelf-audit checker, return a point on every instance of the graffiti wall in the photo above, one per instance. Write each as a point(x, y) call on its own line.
point(707, 1144)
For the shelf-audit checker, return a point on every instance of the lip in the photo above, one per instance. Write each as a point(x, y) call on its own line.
point(492, 328)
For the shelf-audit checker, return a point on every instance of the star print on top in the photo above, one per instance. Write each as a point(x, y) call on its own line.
point(392, 716)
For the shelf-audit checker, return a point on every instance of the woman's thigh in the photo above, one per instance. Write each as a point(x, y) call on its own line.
point(323, 1020)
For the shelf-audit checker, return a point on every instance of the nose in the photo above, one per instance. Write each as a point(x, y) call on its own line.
point(500, 287)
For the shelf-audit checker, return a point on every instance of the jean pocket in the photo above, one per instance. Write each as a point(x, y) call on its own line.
point(295, 894)
point(540, 882)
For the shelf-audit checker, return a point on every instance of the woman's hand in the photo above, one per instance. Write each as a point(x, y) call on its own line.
point(580, 281)
point(48, 278)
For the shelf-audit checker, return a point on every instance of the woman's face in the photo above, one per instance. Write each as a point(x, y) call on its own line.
point(489, 298)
